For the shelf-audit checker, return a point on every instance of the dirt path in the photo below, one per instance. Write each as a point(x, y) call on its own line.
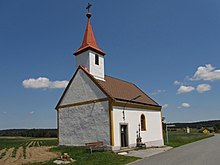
point(40, 154)
point(10, 160)
point(7, 156)
point(34, 154)
point(19, 153)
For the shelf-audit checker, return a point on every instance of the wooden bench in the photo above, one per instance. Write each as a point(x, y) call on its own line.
point(99, 145)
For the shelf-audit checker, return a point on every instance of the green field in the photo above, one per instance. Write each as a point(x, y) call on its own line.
point(24, 142)
point(9, 142)
point(178, 138)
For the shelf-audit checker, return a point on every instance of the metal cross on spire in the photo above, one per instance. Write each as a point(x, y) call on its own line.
point(88, 8)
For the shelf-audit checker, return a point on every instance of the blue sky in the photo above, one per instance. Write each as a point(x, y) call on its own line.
point(170, 49)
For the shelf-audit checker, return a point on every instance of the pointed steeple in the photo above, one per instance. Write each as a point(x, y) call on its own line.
point(89, 41)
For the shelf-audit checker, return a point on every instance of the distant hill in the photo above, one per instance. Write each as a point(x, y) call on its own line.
point(29, 132)
point(200, 124)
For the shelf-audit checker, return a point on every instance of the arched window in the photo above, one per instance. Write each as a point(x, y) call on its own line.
point(143, 123)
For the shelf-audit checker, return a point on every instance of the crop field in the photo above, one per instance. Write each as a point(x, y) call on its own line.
point(20, 150)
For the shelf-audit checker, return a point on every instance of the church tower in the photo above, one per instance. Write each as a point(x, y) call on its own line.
point(89, 55)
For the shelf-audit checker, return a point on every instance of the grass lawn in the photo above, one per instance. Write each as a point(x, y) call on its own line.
point(83, 156)
point(178, 138)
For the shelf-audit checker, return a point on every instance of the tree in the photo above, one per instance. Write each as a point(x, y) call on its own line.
point(217, 126)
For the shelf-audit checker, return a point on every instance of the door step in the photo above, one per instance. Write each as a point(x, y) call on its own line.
point(126, 149)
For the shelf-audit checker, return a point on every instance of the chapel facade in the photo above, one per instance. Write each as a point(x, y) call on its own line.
point(96, 107)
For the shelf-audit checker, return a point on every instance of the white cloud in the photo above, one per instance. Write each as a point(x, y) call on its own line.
point(158, 91)
point(185, 89)
point(43, 82)
point(203, 88)
point(206, 72)
point(177, 83)
point(40, 82)
point(184, 105)
point(31, 113)
point(164, 106)
point(59, 84)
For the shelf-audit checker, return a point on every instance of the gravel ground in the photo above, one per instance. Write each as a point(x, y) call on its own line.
point(148, 152)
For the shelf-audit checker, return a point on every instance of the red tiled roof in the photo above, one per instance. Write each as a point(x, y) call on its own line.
point(89, 41)
point(125, 91)
point(116, 89)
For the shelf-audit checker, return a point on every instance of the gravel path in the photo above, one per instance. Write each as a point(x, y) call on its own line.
point(203, 152)
point(148, 152)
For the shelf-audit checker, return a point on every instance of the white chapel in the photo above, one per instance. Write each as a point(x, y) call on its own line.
point(96, 107)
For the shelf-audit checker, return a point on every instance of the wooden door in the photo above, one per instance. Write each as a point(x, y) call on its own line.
point(124, 135)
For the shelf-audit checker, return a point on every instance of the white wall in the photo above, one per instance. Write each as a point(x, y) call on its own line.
point(97, 70)
point(153, 134)
point(82, 89)
point(87, 59)
point(83, 124)
point(83, 59)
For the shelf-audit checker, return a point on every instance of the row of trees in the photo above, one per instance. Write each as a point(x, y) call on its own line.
point(212, 123)
point(29, 132)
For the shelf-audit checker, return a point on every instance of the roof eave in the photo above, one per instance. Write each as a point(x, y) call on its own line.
point(137, 102)
point(81, 50)
point(139, 105)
